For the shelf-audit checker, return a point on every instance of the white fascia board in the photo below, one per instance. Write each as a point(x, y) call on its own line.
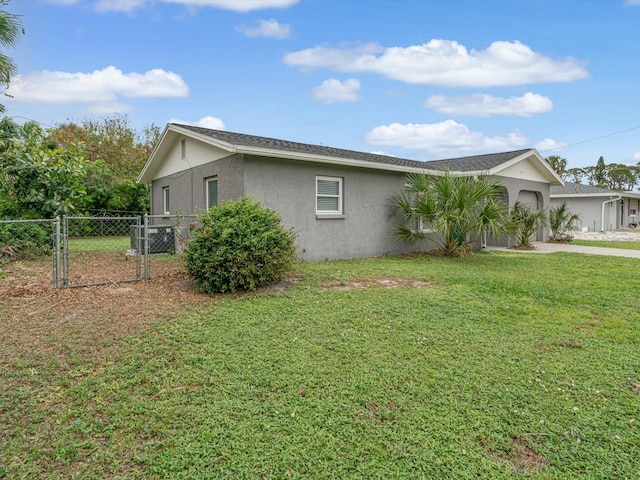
point(306, 157)
point(584, 195)
point(204, 138)
point(599, 195)
point(153, 154)
point(555, 181)
point(175, 130)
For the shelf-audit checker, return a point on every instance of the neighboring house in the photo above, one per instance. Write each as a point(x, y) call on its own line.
point(600, 209)
point(337, 201)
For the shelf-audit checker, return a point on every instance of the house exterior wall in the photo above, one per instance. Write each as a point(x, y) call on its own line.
point(289, 187)
point(187, 188)
point(365, 228)
point(591, 211)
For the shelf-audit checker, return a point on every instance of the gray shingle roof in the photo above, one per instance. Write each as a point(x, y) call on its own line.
point(579, 189)
point(476, 162)
point(462, 164)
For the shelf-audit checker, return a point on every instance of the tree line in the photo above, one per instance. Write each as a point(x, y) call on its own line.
point(83, 168)
point(613, 176)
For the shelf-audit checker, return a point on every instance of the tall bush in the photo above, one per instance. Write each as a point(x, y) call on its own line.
point(240, 246)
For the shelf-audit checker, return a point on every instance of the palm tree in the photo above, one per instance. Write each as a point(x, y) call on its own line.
point(10, 31)
point(451, 211)
point(561, 222)
point(526, 222)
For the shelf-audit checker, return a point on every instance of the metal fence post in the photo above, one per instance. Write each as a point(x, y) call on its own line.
point(146, 246)
point(137, 247)
point(65, 251)
point(56, 226)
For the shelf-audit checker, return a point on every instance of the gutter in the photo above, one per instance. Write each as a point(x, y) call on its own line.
point(619, 197)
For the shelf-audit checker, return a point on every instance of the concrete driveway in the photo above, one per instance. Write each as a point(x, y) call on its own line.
point(561, 247)
point(618, 235)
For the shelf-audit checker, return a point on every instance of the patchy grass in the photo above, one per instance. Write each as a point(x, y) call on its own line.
point(607, 244)
point(503, 366)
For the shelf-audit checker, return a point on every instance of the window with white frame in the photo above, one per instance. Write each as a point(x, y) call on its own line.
point(165, 200)
point(328, 195)
point(212, 192)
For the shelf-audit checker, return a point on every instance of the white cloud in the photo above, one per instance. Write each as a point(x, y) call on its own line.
point(483, 105)
point(632, 2)
point(266, 28)
point(445, 63)
point(447, 138)
point(205, 122)
point(336, 58)
point(99, 86)
point(235, 5)
point(549, 144)
point(636, 157)
point(334, 91)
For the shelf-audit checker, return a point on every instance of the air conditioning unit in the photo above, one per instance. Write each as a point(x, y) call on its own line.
point(161, 238)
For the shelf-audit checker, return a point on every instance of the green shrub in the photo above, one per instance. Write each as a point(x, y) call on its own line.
point(240, 246)
point(27, 240)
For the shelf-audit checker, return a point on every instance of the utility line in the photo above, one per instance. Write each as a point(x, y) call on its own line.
point(591, 139)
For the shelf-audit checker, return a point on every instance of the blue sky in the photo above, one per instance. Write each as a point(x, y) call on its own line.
point(421, 79)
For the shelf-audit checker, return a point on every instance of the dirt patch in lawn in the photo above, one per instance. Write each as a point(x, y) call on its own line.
point(384, 282)
point(522, 458)
point(40, 322)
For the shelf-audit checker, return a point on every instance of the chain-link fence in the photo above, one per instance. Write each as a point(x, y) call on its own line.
point(31, 238)
point(97, 250)
point(168, 234)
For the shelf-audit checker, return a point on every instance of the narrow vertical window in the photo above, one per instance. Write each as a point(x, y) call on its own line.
point(165, 200)
point(329, 195)
point(212, 192)
point(183, 149)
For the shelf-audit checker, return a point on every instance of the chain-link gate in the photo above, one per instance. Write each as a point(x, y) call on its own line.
point(101, 250)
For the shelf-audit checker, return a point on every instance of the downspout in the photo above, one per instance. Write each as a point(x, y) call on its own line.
point(619, 197)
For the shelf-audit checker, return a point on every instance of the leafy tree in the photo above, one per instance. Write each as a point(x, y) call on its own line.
point(33, 172)
point(575, 175)
point(562, 222)
point(38, 180)
point(597, 174)
point(621, 177)
point(451, 211)
point(111, 140)
point(559, 165)
point(10, 31)
point(526, 222)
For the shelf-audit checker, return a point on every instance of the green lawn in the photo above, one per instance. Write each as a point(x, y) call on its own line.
point(99, 244)
point(608, 244)
point(504, 366)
